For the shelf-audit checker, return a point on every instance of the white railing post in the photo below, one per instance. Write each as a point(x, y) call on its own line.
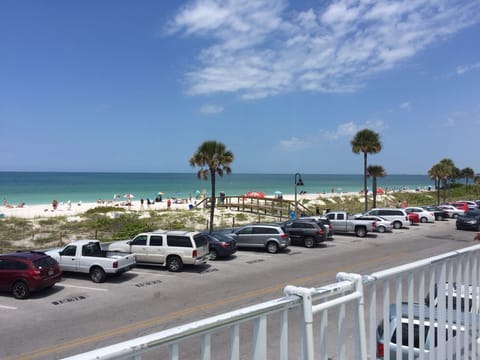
point(361, 327)
point(307, 328)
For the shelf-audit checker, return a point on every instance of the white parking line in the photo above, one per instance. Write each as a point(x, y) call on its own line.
point(83, 287)
point(246, 254)
point(8, 307)
point(150, 273)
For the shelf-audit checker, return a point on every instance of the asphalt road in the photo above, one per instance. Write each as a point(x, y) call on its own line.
point(77, 315)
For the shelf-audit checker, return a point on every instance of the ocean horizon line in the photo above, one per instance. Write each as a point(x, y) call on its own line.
point(193, 172)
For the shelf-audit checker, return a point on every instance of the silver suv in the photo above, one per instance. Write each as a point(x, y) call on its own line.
point(269, 236)
point(172, 249)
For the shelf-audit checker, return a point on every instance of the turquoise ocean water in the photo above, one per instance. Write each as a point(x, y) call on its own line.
point(43, 187)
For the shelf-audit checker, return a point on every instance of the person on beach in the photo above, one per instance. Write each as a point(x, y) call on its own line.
point(169, 204)
point(141, 203)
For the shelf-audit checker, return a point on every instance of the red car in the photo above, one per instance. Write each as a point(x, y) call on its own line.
point(460, 205)
point(413, 217)
point(24, 272)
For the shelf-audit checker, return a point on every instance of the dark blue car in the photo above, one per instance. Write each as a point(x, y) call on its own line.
point(221, 246)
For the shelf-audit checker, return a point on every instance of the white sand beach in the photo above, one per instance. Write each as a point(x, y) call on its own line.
point(73, 209)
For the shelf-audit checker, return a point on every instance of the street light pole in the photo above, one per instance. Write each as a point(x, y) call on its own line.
point(298, 182)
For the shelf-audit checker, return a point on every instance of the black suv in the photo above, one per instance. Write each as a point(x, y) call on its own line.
point(305, 232)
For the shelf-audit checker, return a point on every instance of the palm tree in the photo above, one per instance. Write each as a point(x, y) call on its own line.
point(367, 142)
point(435, 173)
point(375, 171)
point(467, 173)
point(448, 173)
point(213, 158)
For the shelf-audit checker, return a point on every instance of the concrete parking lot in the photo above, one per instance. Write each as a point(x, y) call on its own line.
point(78, 315)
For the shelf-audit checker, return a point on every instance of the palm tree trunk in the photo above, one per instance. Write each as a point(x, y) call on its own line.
point(374, 189)
point(365, 179)
point(212, 206)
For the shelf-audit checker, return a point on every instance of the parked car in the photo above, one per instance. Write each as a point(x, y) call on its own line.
point(388, 342)
point(452, 211)
point(424, 215)
point(221, 246)
point(307, 233)
point(345, 223)
point(86, 256)
point(459, 293)
point(271, 237)
point(413, 217)
point(469, 221)
point(383, 225)
point(322, 220)
point(24, 272)
point(440, 214)
point(172, 249)
point(398, 217)
point(460, 205)
point(472, 205)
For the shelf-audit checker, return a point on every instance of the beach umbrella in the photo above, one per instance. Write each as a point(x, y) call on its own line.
point(255, 194)
point(129, 196)
point(160, 193)
point(116, 196)
point(277, 193)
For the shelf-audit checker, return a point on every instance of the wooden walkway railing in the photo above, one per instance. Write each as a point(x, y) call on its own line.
point(275, 207)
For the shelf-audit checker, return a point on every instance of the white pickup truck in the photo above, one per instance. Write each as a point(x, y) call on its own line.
point(344, 223)
point(86, 256)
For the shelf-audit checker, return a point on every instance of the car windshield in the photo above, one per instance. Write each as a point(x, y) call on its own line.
point(472, 214)
point(44, 262)
point(221, 237)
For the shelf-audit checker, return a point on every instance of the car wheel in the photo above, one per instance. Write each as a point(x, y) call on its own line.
point(20, 290)
point(381, 229)
point(309, 242)
point(213, 255)
point(455, 216)
point(97, 274)
point(174, 264)
point(424, 220)
point(272, 247)
point(439, 218)
point(361, 231)
point(397, 225)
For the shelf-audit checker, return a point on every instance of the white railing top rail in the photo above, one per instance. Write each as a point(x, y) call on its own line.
point(416, 265)
point(141, 344)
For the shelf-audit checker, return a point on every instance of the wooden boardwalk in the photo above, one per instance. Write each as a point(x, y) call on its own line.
point(275, 207)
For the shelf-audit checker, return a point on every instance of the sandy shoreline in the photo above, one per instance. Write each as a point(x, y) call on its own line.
point(73, 209)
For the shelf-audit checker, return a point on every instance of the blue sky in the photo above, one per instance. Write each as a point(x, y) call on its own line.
point(138, 86)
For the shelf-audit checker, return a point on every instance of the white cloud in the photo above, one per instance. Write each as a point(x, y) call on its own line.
point(260, 48)
point(450, 122)
point(293, 144)
point(349, 129)
point(405, 106)
point(211, 109)
point(467, 68)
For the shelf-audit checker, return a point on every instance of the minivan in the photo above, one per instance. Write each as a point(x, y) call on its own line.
point(398, 217)
point(271, 237)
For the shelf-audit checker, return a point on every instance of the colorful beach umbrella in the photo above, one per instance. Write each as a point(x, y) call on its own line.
point(129, 196)
point(255, 194)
